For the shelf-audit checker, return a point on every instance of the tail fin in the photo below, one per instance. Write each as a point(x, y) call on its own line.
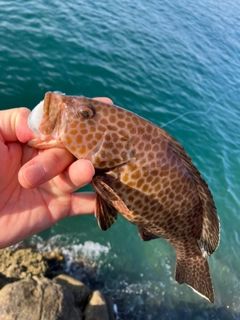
point(194, 271)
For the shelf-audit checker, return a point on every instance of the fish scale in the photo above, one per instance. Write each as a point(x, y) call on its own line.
point(141, 172)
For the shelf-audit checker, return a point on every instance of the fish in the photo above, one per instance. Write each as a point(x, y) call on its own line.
point(141, 172)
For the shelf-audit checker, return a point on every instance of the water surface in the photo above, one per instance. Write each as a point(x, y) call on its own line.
point(162, 60)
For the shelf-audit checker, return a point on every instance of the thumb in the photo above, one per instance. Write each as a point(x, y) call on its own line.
point(13, 125)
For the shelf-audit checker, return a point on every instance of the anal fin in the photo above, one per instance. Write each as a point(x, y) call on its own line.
point(104, 213)
point(194, 271)
point(146, 235)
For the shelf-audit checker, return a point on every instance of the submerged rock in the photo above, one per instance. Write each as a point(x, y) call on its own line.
point(97, 307)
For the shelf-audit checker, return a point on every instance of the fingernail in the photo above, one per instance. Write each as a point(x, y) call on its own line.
point(93, 169)
point(34, 175)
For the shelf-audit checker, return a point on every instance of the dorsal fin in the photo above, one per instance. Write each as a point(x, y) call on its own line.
point(209, 240)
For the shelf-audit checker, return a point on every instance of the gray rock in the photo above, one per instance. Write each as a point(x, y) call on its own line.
point(79, 290)
point(37, 299)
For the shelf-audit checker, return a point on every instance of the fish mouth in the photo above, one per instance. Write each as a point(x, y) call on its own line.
point(35, 117)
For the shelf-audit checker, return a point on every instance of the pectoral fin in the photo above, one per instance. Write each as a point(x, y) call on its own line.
point(110, 202)
point(114, 149)
point(145, 235)
point(104, 213)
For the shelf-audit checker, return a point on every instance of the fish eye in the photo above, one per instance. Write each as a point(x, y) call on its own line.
point(86, 112)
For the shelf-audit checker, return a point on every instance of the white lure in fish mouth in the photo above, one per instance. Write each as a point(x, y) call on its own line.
point(35, 117)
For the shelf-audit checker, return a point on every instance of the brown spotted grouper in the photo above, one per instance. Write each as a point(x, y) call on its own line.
point(141, 172)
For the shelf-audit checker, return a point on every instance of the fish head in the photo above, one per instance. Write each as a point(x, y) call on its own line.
point(88, 128)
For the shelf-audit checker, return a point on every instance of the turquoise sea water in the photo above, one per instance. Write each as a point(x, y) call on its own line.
point(162, 60)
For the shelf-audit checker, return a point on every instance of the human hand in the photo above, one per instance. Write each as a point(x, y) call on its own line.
point(36, 186)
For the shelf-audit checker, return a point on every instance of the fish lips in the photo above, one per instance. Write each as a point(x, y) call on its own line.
point(35, 117)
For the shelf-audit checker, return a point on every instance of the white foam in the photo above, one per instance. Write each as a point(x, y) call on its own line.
point(89, 249)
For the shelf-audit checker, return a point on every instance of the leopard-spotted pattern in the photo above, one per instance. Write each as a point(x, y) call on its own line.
point(143, 173)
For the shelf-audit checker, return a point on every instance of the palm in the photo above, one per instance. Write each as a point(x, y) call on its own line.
point(24, 212)
point(22, 209)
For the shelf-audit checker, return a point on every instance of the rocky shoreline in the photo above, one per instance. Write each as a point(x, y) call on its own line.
point(41, 283)
point(34, 286)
